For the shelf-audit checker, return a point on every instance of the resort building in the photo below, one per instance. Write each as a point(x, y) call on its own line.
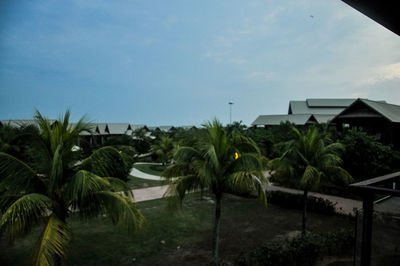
point(310, 111)
point(375, 117)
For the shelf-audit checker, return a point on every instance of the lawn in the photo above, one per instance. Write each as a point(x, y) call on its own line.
point(151, 169)
point(178, 238)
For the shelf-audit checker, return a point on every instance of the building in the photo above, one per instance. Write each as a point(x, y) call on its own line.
point(375, 117)
point(310, 111)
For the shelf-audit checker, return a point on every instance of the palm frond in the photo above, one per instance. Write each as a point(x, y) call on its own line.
point(117, 185)
point(120, 209)
point(247, 161)
point(212, 157)
point(15, 175)
point(82, 186)
point(54, 241)
point(105, 161)
point(311, 176)
point(339, 175)
point(186, 154)
point(24, 213)
point(247, 182)
point(56, 171)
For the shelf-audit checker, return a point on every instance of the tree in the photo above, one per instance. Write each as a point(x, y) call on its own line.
point(14, 140)
point(366, 157)
point(142, 142)
point(54, 183)
point(311, 161)
point(220, 163)
point(164, 149)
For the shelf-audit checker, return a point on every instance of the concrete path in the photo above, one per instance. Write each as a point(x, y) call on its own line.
point(150, 193)
point(343, 205)
point(140, 174)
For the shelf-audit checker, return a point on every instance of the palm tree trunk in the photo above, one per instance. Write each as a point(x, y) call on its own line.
point(304, 223)
point(216, 227)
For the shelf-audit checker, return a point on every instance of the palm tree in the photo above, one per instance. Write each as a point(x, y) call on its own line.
point(311, 160)
point(220, 163)
point(56, 182)
point(164, 149)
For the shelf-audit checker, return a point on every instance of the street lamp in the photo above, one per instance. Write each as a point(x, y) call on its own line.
point(230, 112)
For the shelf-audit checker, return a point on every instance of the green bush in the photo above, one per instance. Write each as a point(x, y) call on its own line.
point(301, 250)
point(295, 201)
point(366, 157)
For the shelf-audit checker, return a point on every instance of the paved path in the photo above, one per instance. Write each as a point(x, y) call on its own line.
point(150, 193)
point(343, 205)
point(140, 174)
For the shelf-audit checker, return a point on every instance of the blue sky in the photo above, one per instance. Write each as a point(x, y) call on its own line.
point(181, 62)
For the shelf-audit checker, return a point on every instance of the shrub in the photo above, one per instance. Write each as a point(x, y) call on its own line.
point(301, 250)
point(295, 201)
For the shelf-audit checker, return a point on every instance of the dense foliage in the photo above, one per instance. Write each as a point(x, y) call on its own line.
point(163, 150)
point(303, 250)
point(295, 201)
point(54, 181)
point(366, 158)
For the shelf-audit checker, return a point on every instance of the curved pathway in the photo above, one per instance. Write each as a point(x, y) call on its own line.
point(342, 205)
point(137, 173)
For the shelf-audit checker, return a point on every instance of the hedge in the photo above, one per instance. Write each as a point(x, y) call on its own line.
point(295, 201)
point(301, 250)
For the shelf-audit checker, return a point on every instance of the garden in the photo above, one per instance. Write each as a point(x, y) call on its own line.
point(59, 204)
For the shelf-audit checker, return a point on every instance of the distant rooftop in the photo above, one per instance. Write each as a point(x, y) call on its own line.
point(320, 111)
point(319, 106)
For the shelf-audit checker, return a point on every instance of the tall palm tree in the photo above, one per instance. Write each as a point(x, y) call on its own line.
point(219, 163)
point(312, 161)
point(56, 182)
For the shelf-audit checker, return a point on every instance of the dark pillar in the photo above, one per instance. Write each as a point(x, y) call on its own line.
point(368, 208)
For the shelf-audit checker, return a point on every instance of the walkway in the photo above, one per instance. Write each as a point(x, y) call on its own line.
point(342, 205)
point(140, 174)
point(150, 193)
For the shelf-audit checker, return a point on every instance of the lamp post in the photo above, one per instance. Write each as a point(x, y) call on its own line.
point(230, 112)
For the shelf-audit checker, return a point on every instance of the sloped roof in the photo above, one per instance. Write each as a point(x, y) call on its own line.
point(323, 119)
point(101, 128)
point(338, 103)
point(136, 127)
point(319, 106)
point(187, 127)
point(118, 128)
point(162, 128)
point(22, 122)
point(166, 128)
point(270, 120)
point(389, 111)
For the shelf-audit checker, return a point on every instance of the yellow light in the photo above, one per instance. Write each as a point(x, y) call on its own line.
point(236, 155)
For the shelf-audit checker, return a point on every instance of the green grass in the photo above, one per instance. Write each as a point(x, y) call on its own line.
point(136, 182)
point(177, 237)
point(151, 169)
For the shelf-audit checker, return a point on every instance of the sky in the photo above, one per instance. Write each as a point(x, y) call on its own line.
point(180, 62)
